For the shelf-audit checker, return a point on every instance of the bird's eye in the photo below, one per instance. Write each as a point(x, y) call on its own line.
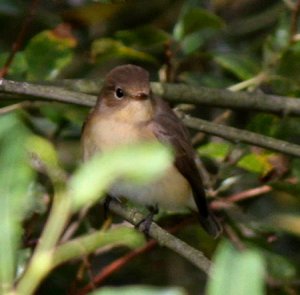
point(119, 93)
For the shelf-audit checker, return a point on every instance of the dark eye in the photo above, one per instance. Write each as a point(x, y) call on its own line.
point(119, 93)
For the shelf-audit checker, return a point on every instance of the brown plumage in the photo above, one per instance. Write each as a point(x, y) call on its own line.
point(127, 112)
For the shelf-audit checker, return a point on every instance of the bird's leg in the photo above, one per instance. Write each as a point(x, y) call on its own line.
point(145, 223)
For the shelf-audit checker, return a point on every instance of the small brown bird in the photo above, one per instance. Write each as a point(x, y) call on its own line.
point(127, 112)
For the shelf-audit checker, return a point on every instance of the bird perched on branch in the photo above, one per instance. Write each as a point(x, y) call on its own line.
point(127, 112)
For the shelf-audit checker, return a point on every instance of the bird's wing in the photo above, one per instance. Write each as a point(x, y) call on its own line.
point(169, 130)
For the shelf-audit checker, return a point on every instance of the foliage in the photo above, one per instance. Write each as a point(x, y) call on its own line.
point(45, 190)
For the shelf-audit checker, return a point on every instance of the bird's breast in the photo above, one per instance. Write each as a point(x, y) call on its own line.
point(106, 133)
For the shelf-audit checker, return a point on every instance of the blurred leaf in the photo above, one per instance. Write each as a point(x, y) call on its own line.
point(15, 178)
point(145, 37)
point(289, 65)
point(93, 13)
point(48, 53)
point(106, 48)
point(279, 267)
point(44, 150)
point(18, 67)
point(136, 163)
point(215, 150)
point(98, 240)
point(289, 223)
point(194, 41)
point(236, 273)
point(276, 43)
point(196, 19)
point(241, 66)
point(259, 122)
point(139, 290)
point(255, 163)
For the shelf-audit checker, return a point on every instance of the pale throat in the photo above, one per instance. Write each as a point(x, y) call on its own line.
point(134, 112)
point(124, 125)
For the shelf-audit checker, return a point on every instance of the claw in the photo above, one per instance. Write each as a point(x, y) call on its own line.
point(145, 224)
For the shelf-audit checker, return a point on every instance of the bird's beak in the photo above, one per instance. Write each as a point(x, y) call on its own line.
point(140, 95)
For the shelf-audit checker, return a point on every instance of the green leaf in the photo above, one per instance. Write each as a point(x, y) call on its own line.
point(236, 273)
point(196, 19)
point(194, 41)
point(18, 67)
point(107, 48)
point(259, 122)
point(242, 67)
point(15, 178)
point(215, 150)
point(279, 266)
point(255, 163)
point(136, 163)
point(44, 149)
point(143, 37)
point(47, 54)
point(289, 66)
point(139, 290)
point(86, 244)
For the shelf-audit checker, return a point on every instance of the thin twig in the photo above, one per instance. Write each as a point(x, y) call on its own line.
point(114, 266)
point(237, 135)
point(254, 192)
point(20, 38)
point(122, 261)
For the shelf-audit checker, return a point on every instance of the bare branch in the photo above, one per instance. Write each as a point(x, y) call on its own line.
point(180, 92)
point(238, 135)
point(163, 237)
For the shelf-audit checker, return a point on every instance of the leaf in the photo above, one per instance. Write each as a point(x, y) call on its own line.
point(48, 53)
point(18, 67)
point(86, 244)
point(44, 150)
point(259, 122)
point(15, 178)
point(236, 273)
point(255, 163)
point(279, 266)
point(93, 13)
point(242, 67)
point(215, 150)
point(107, 48)
point(196, 19)
point(289, 66)
point(140, 290)
point(288, 222)
point(143, 37)
point(136, 163)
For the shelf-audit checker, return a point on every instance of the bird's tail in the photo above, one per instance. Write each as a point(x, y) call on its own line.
point(211, 225)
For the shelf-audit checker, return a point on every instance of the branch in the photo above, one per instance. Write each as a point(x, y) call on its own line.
point(211, 97)
point(172, 92)
point(163, 237)
point(24, 90)
point(235, 134)
point(51, 93)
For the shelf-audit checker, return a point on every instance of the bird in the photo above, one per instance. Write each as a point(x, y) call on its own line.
point(127, 112)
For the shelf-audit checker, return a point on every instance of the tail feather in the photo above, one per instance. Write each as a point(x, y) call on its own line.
point(211, 225)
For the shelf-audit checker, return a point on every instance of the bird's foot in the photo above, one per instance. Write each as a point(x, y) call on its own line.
point(145, 224)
